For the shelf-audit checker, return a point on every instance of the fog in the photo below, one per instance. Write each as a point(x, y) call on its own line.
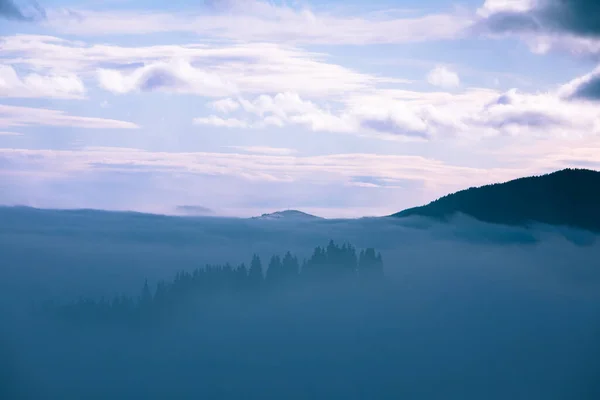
point(466, 310)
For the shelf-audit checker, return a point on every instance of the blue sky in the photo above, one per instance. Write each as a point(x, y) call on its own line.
point(342, 109)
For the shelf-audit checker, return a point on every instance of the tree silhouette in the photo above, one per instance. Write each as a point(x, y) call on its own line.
point(325, 265)
point(255, 274)
point(274, 271)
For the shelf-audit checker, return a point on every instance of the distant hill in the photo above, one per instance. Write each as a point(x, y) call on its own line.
point(288, 215)
point(569, 197)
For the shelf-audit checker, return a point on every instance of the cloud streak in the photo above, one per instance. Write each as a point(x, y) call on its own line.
point(253, 68)
point(264, 21)
point(282, 151)
point(13, 116)
point(255, 167)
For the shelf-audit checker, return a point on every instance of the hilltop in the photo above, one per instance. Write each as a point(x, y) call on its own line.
point(288, 215)
point(569, 197)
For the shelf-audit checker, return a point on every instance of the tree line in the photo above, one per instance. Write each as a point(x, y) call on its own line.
point(333, 263)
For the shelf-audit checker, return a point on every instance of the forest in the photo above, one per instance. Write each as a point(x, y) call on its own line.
point(568, 197)
point(198, 289)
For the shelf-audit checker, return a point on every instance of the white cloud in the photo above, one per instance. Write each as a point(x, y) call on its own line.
point(402, 115)
point(214, 120)
point(491, 7)
point(253, 68)
point(11, 116)
point(225, 105)
point(263, 21)
point(176, 76)
point(443, 77)
point(65, 86)
point(290, 108)
point(6, 133)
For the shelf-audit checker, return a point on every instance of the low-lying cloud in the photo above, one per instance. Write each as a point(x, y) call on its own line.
point(459, 302)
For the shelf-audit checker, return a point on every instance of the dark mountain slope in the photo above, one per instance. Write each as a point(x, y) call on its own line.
point(568, 197)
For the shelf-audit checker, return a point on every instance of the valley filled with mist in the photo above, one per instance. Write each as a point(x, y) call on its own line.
point(463, 309)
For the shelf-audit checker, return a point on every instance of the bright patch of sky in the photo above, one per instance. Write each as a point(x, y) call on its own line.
point(340, 108)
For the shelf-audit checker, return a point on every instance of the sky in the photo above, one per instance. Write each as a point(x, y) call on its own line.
point(337, 108)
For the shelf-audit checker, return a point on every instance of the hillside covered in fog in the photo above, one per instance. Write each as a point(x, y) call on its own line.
point(464, 310)
point(569, 197)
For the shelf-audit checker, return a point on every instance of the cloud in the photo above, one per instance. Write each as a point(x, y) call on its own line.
point(214, 120)
point(11, 116)
point(264, 22)
point(138, 179)
point(586, 87)
point(176, 76)
point(6, 133)
point(579, 17)
point(223, 70)
point(395, 126)
point(285, 109)
point(491, 7)
point(408, 115)
point(265, 150)
point(316, 170)
point(65, 86)
point(10, 10)
point(225, 105)
point(443, 77)
point(545, 23)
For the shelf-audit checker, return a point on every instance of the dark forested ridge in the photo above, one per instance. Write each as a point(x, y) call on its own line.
point(193, 290)
point(569, 197)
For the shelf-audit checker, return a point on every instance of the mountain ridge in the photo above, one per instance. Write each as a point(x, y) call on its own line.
point(569, 197)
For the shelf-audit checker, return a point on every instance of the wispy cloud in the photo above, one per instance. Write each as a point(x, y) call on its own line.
point(267, 167)
point(11, 116)
point(265, 21)
point(253, 68)
point(283, 151)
